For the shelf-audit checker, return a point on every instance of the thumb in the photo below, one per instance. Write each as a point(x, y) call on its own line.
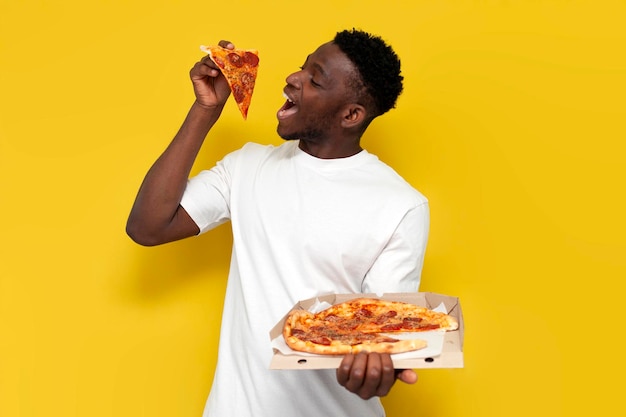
point(408, 376)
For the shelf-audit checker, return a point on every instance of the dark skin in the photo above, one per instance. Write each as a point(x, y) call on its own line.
point(327, 120)
point(371, 374)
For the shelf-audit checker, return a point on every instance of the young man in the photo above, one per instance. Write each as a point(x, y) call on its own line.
point(313, 216)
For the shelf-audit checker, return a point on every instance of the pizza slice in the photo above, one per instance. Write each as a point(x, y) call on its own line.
point(239, 67)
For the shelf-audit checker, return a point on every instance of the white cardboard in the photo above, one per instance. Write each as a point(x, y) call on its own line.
point(445, 350)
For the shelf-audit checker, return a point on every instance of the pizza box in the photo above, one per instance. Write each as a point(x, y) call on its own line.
point(445, 350)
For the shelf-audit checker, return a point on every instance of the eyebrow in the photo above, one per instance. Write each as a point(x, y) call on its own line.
point(321, 70)
point(317, 67)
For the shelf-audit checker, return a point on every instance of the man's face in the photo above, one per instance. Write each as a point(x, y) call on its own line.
point(315, 95)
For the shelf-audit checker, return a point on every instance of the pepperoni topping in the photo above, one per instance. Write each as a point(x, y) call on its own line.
point(238, 93)
point(391, 327)
point(322, 340)
point(332, 318)
point(429, 327)
point(410, 325)
point(385, 317)
point(247, 79)
point(363, 312)
point(235, 60)
point(298, 332)
point(251, 59)
point(219, 61)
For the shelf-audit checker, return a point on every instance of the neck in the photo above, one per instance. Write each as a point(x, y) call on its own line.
point(324, 150)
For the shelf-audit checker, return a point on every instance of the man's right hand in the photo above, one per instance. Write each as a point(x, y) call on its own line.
point(210, 86)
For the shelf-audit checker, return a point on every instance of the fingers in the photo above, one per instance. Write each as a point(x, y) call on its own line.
point(344, 370)
point(408, 376)
point(204, 68)
point(210, 86)
point(367, 375)
point(226, 44)
point(352, 372)
point(388, 375)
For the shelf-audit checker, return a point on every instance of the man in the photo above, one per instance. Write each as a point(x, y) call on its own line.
point(313, 216)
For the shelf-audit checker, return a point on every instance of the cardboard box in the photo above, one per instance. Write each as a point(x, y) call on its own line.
point(450, 356)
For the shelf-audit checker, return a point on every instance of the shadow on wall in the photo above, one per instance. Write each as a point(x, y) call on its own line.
point(159, 271)
point(155, 272)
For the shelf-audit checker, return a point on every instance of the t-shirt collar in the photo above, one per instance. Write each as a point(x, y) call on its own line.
point(329, 164)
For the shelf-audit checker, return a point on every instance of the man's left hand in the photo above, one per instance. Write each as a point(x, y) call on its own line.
point(371, 374)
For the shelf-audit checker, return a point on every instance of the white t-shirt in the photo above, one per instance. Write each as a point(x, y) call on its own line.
point(302, 227)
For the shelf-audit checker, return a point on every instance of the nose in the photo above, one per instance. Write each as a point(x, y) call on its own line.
point(294, 80)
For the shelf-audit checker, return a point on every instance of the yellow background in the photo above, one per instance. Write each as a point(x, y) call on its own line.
point(511, 122)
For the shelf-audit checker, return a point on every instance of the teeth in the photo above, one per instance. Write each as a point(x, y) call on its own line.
point(287, 97)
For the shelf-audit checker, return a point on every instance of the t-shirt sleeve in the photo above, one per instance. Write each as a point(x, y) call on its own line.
point(207, 196)
point(399, 267)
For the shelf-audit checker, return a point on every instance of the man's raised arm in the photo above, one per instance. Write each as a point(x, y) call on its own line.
point(156, 216)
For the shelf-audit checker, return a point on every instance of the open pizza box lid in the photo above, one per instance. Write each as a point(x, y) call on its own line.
point(445, 350)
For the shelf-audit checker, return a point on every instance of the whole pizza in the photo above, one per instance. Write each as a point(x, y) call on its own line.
point(363, 325)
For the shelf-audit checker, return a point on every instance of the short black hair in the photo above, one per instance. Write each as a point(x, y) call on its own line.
point(377, 64)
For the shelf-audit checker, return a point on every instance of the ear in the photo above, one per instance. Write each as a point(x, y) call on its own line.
point(353, 116)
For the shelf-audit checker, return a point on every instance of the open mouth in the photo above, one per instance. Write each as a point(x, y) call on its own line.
point(288, 109)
